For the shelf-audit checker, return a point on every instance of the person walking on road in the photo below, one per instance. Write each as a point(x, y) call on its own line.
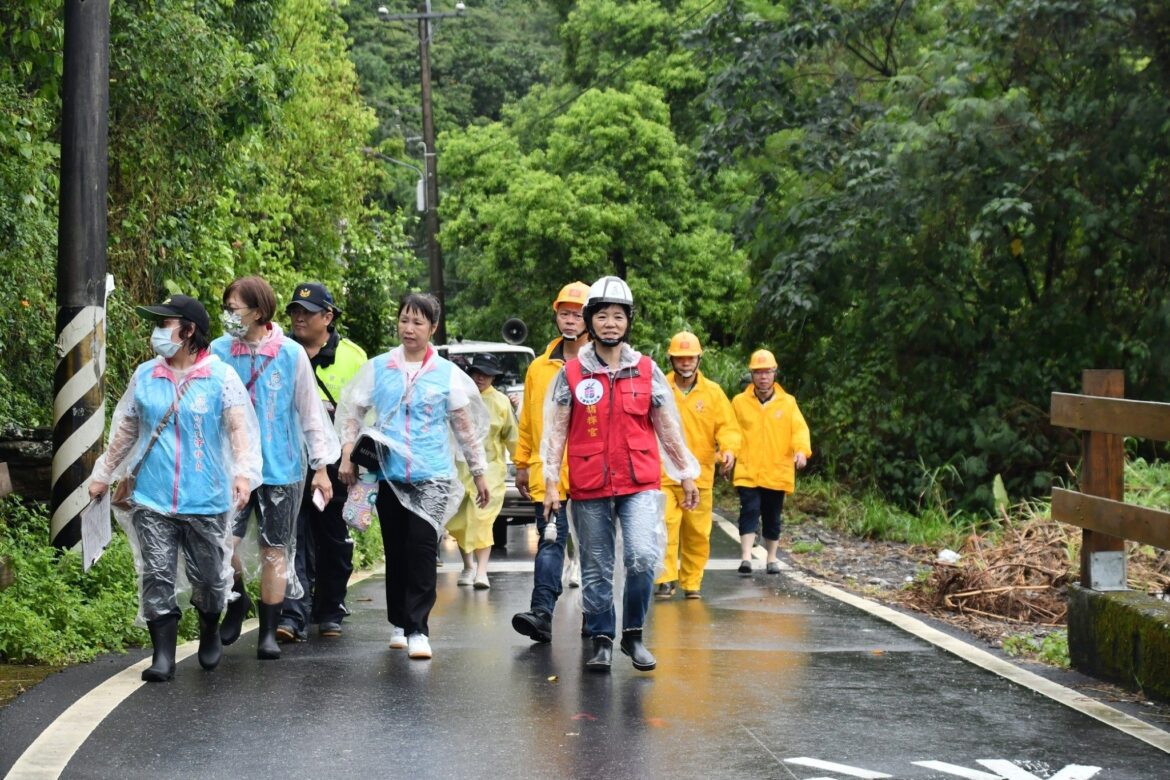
point(775, 445)
point(568, 309)
point(324, 548)
point(417, 401)
point(712, 435)
point(181, 449)
point(280, 381)
point(471, 527)
point(607, 406)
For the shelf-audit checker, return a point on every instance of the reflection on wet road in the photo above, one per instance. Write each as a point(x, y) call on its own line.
point(760, 678)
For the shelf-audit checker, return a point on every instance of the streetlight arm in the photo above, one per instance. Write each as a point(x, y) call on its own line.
point(370, 152)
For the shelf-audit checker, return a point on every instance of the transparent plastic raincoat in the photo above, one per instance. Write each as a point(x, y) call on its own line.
point(295, 431)
point(182, 497)
point(424, 418)
point(676, 459)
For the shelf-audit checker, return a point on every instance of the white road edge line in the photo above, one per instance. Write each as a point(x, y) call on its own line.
point(52, 750)
point(1100, 711)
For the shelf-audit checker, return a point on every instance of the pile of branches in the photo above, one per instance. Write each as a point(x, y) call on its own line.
point(1020, 578)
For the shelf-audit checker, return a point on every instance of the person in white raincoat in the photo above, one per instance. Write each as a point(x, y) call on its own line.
point(613, 411)
point(293, 424)
point(182, 435)
point(402, 411)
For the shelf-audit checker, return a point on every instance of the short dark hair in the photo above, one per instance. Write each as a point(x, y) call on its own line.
point(195, 339)
point(424, 303)
point(256, 293)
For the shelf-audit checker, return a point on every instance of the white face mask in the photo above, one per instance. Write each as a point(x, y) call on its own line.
point(233, 324)
point(685, 374)
point(160, 342)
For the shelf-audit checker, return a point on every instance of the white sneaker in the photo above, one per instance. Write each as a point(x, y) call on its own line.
point(397, 638)
point(574, 574)
point(466, 577)
point(481, 582)
point(418, 646)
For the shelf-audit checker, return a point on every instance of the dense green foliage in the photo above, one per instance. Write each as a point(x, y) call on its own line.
point(54, 612)
point(236, 146)
point(951, 209)
point(935, 213)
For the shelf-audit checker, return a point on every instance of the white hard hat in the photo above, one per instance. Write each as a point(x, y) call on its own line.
point(610, 289)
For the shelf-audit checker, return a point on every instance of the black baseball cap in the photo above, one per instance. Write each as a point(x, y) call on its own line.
point(312, 296)
point(182, 306)
point(485, 363)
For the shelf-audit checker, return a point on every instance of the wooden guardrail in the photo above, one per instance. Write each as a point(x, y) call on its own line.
point(1105, 417)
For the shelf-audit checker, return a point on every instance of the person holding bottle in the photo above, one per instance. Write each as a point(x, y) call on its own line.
point(398, 419)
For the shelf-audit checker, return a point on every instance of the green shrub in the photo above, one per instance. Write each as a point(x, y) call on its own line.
point(1051, 649)
point(54, 612)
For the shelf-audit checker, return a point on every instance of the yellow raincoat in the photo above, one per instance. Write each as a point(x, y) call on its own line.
point(539, 378)
point(772, 435)
point(471, 526)
point(709, 427)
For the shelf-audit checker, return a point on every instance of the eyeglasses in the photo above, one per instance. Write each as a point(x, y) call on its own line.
point(231, 310)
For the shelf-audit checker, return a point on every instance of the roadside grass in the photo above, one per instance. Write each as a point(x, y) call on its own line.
point(55, 614)
point(1051, 648)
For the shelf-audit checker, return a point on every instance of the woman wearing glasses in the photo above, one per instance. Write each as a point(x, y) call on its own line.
point(295, 433)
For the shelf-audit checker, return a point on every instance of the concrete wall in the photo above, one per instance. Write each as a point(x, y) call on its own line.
point(1124, 637)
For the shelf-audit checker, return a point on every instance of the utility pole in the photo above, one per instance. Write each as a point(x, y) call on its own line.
point(78, 401)
point(424, 17)
point(434, 254)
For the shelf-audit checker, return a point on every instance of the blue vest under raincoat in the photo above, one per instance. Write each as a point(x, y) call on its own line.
point(185, 471)
point(270, 378)
point(414, 418)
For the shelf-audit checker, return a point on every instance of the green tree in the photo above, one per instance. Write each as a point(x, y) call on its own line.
point(606, 191)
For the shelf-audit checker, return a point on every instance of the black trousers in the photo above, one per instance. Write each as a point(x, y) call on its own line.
point(412, 546)
point(324, 559)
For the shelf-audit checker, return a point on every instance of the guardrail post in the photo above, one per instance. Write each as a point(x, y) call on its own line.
point(1103, 474)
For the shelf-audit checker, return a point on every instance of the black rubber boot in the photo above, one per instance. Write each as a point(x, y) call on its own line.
point(534, 625)
point(233, 619)
point(602, 658)
point(210, 645)
point(164, 634)
point(633, 647)
point(266, 648)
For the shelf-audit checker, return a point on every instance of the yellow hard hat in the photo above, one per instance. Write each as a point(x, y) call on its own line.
point(684, 344)
point(761, 359)
point(573, 292)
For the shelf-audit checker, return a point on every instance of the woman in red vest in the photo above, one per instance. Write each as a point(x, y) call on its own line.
point(611, 407)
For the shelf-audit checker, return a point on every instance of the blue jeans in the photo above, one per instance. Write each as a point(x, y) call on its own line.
point(643, 542)
point(550, 560)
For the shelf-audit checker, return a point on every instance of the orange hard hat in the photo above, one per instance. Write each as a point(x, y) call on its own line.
point(761, 359)
point(573, 292)
point(684, 344)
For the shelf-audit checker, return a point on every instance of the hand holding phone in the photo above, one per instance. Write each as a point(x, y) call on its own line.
point(319, 499)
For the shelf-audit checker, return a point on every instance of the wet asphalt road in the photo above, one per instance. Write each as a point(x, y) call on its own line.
point(761, 678)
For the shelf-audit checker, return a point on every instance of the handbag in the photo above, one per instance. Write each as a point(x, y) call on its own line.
point(125, 489)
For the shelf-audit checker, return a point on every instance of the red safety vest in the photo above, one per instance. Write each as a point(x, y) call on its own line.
point(612, 447)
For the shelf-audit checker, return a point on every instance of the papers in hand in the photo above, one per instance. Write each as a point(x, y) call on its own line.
point(95, 529)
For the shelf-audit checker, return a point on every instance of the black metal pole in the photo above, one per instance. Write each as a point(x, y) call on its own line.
point(434, 254)
point(78, 404)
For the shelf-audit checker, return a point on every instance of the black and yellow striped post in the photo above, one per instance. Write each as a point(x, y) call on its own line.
point(78, 403)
